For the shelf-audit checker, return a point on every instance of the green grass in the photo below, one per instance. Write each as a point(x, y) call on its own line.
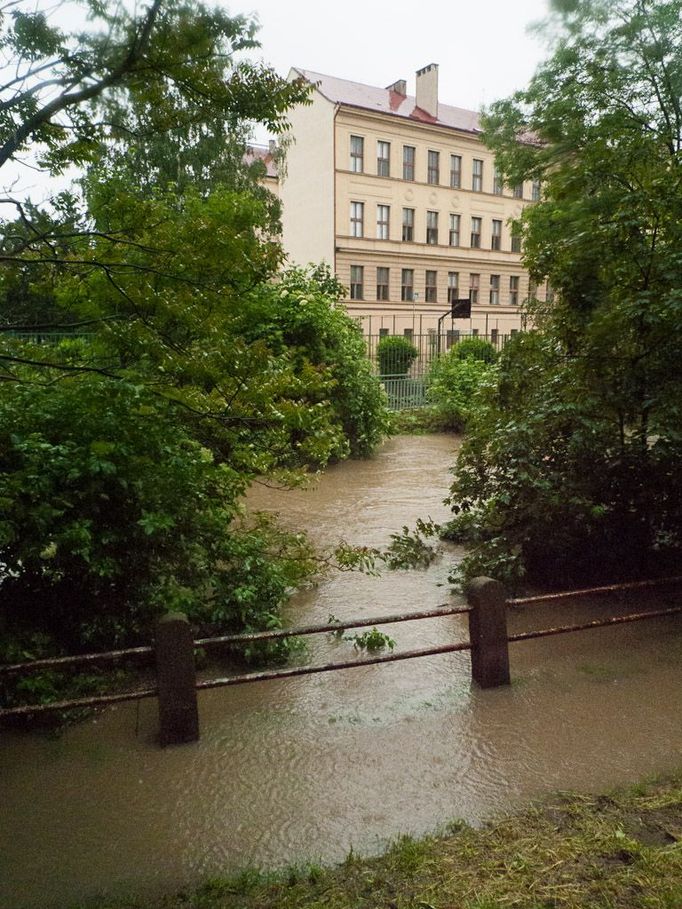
point(621, 851)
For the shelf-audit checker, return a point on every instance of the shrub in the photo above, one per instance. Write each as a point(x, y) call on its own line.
point(396, 354)
point(453, 384)
point(475, 349)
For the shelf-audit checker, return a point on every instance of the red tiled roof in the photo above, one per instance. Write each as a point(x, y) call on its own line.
point(262, 153)
point(388, 101)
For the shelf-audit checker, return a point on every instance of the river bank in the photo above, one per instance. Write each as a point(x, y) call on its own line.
point(622, 851)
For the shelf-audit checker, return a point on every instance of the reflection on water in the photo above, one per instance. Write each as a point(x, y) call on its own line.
point(306, 768)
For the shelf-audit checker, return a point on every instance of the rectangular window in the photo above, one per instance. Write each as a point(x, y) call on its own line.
point(432, 227)
point(407, 284)
point(383, 159)
point(494, 336)
point(476, 233)
point(383, 214)
point(433, 169)
point(514, 290)
point(453, 286)
point(498, 182)
point(474, 285)
point(532, 290)
point(453, 238)
point(357, 219)
point(494, 289)
point(408, 162)
point(383, 332)
point(357, 154)
point(455, 171)
point(382, 283)
point(515, 242)
point(451, 337)
point(535, 191)
point(357, 290)
point(477, 176)
point(408, 333)
point(496, 238)
point(517, 192)
point(431, 287)
point(474, 332)
point(408, 225)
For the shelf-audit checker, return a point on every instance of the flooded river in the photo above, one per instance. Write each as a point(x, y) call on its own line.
point(308, 768)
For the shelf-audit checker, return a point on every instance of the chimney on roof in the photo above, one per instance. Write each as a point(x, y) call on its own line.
point(427, 89)
point(399, 87)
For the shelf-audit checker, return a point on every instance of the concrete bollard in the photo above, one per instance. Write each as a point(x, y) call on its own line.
point(176, 673)
point(488, 633)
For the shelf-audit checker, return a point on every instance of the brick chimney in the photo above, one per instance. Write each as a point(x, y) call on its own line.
point(427, 89)
point(399, 87)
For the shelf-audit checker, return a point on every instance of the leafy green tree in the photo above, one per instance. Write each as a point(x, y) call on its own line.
point(575, 467)
point(124, 454)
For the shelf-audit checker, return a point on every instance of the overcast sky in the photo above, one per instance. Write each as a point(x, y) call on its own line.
point(483, 48)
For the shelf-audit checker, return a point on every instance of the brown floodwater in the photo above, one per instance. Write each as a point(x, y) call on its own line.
point(305, 769)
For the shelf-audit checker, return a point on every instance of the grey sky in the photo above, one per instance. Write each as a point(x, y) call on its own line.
point(482, 46)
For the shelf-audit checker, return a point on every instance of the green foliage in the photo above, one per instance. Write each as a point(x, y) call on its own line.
point(475, 349)
point(455, 380)
point(573, 468)
point(372, 641)
point(112, 515)
point(395, 355)
point(301, 314)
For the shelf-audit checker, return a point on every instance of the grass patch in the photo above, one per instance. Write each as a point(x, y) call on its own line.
point(418, 421)
point(621, 851)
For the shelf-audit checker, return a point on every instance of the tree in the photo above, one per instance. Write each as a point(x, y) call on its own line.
point(189, 371)
point(575, 466)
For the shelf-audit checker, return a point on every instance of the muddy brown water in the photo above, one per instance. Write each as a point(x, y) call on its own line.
point(306, 769)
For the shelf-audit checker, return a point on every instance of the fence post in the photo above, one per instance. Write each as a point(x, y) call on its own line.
point(176, 673)
point(488, 633)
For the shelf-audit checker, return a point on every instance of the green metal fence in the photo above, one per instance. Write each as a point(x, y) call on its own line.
point(404, 377)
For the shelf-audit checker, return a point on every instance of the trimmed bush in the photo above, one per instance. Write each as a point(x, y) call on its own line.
point(396, 354)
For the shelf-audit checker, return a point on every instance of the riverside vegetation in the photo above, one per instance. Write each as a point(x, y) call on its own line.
point(154, 359)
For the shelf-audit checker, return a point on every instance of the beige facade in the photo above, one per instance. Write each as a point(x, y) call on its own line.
point(402, 200)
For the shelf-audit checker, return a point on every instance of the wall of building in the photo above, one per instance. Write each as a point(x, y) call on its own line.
point(418, 194)
point(307, 184)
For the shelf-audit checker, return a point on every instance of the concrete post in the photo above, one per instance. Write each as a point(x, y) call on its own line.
point(176, 673)
point(488, 633)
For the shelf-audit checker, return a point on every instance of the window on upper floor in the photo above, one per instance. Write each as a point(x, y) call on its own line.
point(433, 168)
point(536, 190)
point(357, 154)
point(514, 290)
point(408, 162)
point(474, 286)
point(453, 236)
point(517, 191)
point(476, 233)
point(498, 182)
point(496, 237)
point(407, 284)
point(383, 215)
point(357, 288)
point(432, 227)
point(494, 289)
point(383, 159)
point(455, 171)
point(431, 287)
point(382, 283)
point(515, 240)
point(408, 224)
point(357, 219)
point(477, 175)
